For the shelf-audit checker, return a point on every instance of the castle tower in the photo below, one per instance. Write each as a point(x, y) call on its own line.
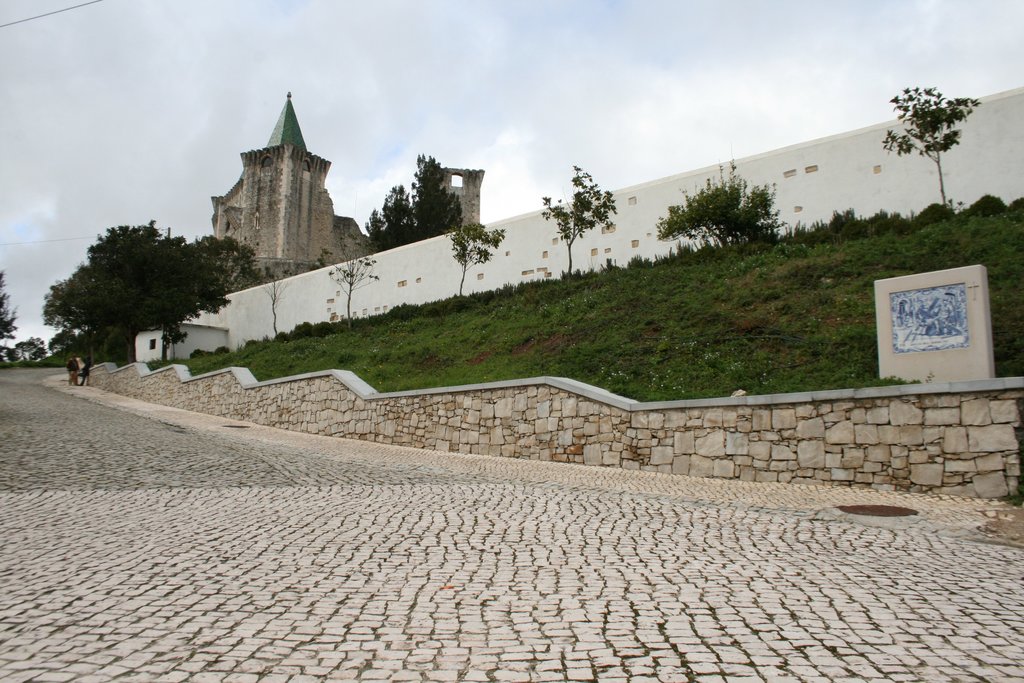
point(281, 208)
point(465, 184)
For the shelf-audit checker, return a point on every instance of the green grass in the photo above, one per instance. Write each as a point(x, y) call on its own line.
point(795, 316)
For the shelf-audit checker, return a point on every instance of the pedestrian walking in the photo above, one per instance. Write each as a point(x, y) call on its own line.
point(83, 373)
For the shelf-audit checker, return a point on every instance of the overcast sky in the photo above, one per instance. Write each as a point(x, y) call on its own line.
point(127, 111)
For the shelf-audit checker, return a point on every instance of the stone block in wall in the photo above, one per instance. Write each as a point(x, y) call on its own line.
point(761, 420)
point(888, 434)
point(681, 464)
point(905, 413)
point(954, 440)
point(711, 445)
point(989, 463)
point(975, 412)
point(736, 443)
point(1004, 411)
point(878, 453)
point(760, 450)
point(865, 434)
point(926, 474)
point(676, 419)
point(810, 454)
point(997, 437)
point(724, 469)
point(662, 455)
point(878, 415)
point(712, 418)
point(813, 428)
point(782, 453)
point(991, 485)
point(592, 454)
point(960, 466)
point(783, 418)
point(841, 474)
point(840, 433)
point(942, 416)
point(701, 466)
point(853, 458)
point(611, 458)
point(683, 443)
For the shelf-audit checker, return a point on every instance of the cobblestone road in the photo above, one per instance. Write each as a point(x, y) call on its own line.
point(142, 543)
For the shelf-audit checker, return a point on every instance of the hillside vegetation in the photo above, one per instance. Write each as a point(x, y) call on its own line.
point(794, 316)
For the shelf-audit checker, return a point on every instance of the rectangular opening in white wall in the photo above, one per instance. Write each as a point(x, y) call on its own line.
point(631, 201)
point(790, 173)
point(813, 168)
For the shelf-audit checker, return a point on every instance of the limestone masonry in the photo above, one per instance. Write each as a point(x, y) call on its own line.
point(958, 438)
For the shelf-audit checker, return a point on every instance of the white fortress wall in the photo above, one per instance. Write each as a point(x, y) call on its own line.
point(812, 179)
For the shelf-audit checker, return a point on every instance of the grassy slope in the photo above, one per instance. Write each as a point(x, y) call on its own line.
point(764, 319)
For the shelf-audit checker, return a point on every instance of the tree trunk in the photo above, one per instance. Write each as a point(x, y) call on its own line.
point(942, 184)
point(462, 281)
point(348, 309)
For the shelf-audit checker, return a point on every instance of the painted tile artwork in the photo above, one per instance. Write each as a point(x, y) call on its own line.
point(931, 319)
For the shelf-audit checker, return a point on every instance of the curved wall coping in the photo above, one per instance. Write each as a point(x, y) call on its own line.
point(354, 383)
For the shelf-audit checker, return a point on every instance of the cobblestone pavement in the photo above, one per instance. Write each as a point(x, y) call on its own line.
point(141, 543)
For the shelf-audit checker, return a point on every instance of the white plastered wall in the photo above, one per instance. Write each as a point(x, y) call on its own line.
point(811, 179)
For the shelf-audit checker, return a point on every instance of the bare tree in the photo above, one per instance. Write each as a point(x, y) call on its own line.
point(352, 276)
point(275, 292)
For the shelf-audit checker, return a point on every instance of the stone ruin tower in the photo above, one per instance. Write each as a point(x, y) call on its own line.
point(281, 209)
point(465, 184)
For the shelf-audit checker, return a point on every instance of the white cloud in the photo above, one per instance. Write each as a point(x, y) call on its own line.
point(122, 112)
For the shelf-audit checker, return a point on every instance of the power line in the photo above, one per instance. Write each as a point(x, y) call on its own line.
point(66, 9)
point(62, 239)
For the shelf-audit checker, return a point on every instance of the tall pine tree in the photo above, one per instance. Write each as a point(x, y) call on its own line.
point(429, 211)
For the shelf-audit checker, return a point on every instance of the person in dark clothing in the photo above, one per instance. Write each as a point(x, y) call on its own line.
point(83, 372)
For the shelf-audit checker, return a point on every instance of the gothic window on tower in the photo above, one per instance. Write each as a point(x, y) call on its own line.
point(267, 162)
point(256, 221)
point(306, 168)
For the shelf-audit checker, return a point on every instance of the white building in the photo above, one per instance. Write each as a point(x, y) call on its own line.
point(812, 179)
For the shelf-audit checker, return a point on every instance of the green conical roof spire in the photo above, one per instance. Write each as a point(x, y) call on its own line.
point(287, 131)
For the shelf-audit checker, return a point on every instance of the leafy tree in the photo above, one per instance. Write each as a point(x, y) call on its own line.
point(471, 246)
point(32, 348)
point(231, 264)
point(589, 208)
point(7, 316)
point(427, 212)
point(137, 279)
point(929, 125)
point(725, 211)
point(351, 276)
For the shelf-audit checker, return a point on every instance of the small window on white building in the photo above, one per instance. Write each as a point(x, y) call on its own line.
point(152, 344)
point(877, 169)
point(403, 283)
point(479, 276)
point(544, 255)
point(593, 252)
point(631, 201)
point(605, 229)
point(813, 168)
point(797, 209)
point(635, 243)
point(790, 173)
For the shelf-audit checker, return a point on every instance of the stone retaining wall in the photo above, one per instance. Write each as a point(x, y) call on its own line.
point(957, 438)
